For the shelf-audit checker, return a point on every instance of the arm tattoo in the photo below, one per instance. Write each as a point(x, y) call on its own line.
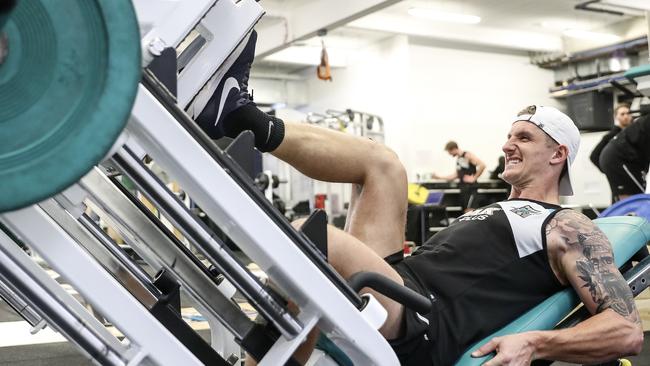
point(596, 267)
point(551, 225)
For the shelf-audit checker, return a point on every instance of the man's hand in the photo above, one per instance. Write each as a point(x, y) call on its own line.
point(512, 350)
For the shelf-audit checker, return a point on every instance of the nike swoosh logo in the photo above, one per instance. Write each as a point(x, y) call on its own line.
point(231, 83)
point(268, 137)
point(425, 320)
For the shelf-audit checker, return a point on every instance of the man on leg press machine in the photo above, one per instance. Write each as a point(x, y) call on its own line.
point(488, 267)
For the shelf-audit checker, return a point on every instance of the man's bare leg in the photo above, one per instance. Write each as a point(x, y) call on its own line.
point(348, 256)
point(377, 212)
point(378, 217)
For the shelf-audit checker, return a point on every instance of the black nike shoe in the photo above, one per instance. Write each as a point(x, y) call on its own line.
point(231, 93)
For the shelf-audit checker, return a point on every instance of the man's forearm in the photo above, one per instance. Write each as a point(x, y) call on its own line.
point(602, 337)
point(451, 177)
point(448, 178)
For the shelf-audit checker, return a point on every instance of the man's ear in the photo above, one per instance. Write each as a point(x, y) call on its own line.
point(560, 155)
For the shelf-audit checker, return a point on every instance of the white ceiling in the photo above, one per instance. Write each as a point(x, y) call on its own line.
point(525, 25)
point(526, 15)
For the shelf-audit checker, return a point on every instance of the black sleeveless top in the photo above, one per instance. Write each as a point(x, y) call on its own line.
point(464, 167)
point(486, 269)
point(633, 143)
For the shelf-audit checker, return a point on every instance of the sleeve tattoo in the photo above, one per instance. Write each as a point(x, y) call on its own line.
point(596, 267)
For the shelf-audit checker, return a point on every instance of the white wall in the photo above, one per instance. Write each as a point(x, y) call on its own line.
point(428, 95)
point(270, 91)
point(475, 107)
point(470, 96)
point(431, 93)
point(375, 81)
point(589, 184)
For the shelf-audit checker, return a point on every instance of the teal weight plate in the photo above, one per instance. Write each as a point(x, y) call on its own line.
point(67, 87)
point(5, 8)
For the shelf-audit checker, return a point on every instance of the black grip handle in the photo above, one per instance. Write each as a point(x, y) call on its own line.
point(5, 8)
point(392, 289)
point(7, 5)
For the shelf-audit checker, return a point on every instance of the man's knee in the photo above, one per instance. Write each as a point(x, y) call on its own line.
point(387, 163)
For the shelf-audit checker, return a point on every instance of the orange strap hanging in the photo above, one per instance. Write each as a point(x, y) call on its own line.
point(323, 70)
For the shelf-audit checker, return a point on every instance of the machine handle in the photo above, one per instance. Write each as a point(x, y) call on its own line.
point(392, 289)
point(5, 9)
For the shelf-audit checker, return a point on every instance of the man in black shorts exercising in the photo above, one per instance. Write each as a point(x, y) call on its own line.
point(488, 267)
point(468, 168)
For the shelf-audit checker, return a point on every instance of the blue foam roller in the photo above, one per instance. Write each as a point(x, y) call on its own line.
point(637, 205)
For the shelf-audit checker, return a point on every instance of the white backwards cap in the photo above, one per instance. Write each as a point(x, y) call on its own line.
point(561, 129)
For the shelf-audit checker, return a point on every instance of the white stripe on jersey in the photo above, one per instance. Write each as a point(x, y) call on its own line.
point(526, 218)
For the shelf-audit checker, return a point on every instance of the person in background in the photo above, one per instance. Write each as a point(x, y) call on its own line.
point(468, 168)
point(622, 119)
point(626, 158)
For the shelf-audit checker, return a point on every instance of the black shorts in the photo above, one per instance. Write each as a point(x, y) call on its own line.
point(468, 196)
point(415, 345)
point(624, 177)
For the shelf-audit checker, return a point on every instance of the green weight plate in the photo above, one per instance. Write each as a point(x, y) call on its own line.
point(67, 87)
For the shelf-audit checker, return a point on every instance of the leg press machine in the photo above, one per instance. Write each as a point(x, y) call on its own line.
point(197, 40)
